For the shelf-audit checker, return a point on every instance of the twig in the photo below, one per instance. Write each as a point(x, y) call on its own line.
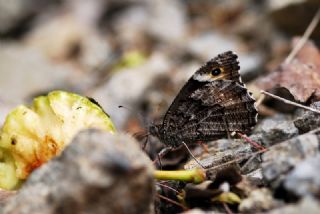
point(237, 160)
point(246, 156)
point(249, 161)
point(290, 102)
point(194, 157)
point(304, 38)
point(172, 201)
point(168, 187)
point(260, 100)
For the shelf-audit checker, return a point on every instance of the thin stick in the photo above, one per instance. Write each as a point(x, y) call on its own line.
point(237, 159)
point(290, 102)
point(260, 100)
point(198, 162)
point(172, 201)
point(168, 187)
point(253, 154)
point(248, 162)
point(304, 38)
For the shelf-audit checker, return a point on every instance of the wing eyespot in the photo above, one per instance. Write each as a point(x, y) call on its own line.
point(216, 71)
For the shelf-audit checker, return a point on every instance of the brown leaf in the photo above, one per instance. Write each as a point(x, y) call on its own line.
point(301, 76)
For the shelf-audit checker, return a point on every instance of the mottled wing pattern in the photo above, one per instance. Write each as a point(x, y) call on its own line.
point(208, 106)
point(231, 108)
point(228, 61)
point(204, 117)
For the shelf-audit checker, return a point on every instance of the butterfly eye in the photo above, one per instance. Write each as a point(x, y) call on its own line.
point(216, 71)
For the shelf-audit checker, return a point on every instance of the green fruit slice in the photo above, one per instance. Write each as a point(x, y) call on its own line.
point(33, 135)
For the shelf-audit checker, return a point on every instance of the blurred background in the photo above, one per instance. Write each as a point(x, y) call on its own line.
point(137, 53)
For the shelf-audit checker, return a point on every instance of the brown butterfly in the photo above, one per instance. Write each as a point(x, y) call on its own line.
point(213, 103)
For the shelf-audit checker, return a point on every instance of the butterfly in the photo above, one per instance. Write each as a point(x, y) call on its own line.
point(213, 103)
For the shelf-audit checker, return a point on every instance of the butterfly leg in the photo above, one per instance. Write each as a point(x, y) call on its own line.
point(253, 143)
point(162, 153)
point(144, 144)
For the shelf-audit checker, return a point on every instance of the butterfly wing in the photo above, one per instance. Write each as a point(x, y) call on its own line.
point(227, 62)
point(212, 110)
point(209, 104)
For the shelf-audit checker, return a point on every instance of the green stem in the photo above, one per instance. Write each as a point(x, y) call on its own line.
point(194, 176)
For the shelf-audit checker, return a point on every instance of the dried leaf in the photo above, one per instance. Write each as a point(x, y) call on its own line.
point(301, 76)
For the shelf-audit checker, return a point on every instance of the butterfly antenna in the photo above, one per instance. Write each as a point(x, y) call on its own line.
point(145, 141)
point(139, 134)
point(139, 115)
point(196, 160)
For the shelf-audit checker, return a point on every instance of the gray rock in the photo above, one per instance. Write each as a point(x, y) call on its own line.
point(258, 200)
point(307, 205)
point(255, 177)
point(11, 13)
point(65, 36)
point(278, 118)
point(281, 158)
point(98, 173)
point(304, 179)
point(167, 20)
point(224, 153)
point(5, 197)
point(236, 150)
point(25, 72)
point(276, 129)
point(15, 12)
point(309, 120)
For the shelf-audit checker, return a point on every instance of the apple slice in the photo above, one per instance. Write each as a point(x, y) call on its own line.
point(33, 135)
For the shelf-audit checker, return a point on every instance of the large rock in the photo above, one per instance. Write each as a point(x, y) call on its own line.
point(275, 129)
point(283, 157)
point(98, 173)
point(258, 200)
point(309, 120)
point(304, 179)
point(307, 205)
